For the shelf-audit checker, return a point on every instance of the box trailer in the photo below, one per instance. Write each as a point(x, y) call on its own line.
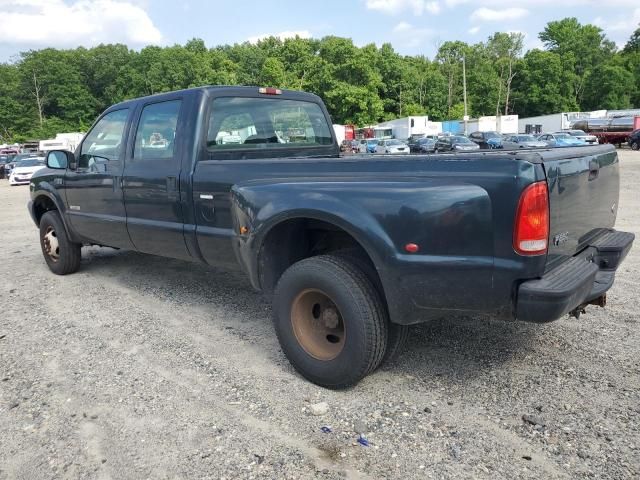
point(404, 128)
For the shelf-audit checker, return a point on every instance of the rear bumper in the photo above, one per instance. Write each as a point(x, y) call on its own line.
point(576, 282)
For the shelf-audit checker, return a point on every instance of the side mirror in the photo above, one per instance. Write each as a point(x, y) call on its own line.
point(60, 159)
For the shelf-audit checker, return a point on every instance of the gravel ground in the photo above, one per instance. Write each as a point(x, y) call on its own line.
point(142, 367)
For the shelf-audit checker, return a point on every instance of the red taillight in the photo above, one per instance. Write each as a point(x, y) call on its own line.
point(270, 91)
point(531, 226)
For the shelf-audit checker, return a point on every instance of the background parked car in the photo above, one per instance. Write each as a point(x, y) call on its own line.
point(368, 145)
point(392, 147)
point(345, 146)
point(455, 143)
point(634, 140)
point(561, 140)
point(24, 170)
point(513, 142)
point(423, 145)
point(18, 158)
point(581, 135)
point(487, 139)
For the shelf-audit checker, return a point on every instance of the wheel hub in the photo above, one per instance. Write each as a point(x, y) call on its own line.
point(318, 324)
point(51, 244)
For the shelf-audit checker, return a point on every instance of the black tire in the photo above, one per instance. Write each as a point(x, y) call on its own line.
point(359, 307)
point(63, 258)
point(635, 145)
point(396, 334)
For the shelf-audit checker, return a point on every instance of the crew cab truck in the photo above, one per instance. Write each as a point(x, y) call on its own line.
point(352, 249)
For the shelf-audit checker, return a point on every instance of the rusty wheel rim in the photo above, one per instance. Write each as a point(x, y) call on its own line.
point(51, 244)
point(318, 324)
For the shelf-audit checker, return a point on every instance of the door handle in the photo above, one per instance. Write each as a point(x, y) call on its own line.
point(172, 188)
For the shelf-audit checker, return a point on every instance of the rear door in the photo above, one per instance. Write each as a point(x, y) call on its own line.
point(584, 187)
point(152, 179)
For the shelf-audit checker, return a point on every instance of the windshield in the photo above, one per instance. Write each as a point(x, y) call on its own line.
point(29, 163)
point(372, 142)
point(23, 156)
point(493, 135)
point(526, 138)
point(577, 133)
point(461, 140)
point(427, 141)
point(394, 142)
point(562, 135)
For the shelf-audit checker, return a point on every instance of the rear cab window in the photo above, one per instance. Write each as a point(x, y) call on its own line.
point(241, 127)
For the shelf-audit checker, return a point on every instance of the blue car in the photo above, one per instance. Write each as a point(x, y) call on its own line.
point(561, 140)
point(372, 143)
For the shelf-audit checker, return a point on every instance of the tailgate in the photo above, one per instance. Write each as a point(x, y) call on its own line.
point(583, 197)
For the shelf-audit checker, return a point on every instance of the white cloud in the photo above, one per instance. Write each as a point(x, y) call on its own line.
point(474, 30)
point(410, 36)
point(282, 35)
point(395, 7)
point(485, 14)
point(54, 23)
point(538, 3)
point(619, 28)
point(626, 23)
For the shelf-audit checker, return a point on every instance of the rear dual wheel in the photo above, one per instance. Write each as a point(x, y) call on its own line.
point(331, 322)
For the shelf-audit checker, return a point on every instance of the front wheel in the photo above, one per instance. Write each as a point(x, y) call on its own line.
point(635, 145)
point(330, 321)
point(61, 254)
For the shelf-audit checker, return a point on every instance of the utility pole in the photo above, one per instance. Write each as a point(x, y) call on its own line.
point(464, 92)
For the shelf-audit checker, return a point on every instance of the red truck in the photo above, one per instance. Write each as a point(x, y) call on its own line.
point(614, 130)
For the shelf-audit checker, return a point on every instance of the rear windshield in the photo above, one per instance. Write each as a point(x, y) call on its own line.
point(261, 123)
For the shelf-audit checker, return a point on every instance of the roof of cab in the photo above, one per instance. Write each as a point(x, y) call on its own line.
point(212, 88)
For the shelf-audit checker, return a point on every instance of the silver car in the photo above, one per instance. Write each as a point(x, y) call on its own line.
point(392, 147)
point(514, 142)
point(582, 135)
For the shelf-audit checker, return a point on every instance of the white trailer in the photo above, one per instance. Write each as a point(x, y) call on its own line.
point(508, 124)
point(63, 141)
point(340, 132)
point(403, 128)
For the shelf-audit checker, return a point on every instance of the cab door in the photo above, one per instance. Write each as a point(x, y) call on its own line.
point(152, 180)
point(93, 185)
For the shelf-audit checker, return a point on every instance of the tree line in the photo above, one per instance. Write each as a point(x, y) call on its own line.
point(44, 92)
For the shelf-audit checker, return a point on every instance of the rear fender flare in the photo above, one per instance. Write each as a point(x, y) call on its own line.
point(263, 214)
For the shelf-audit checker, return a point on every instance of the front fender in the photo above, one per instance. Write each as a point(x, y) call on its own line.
point(44, 187)
point(450, 220)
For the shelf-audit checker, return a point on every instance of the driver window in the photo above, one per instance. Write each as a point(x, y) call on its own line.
point(104, 142)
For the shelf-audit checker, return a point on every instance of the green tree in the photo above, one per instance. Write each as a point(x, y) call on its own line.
point(581, 47)
point(543, 86)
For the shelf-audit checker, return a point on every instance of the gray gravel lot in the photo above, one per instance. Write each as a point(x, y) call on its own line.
point(142, 367)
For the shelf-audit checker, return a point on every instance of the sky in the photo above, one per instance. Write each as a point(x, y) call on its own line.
point(411, 26)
